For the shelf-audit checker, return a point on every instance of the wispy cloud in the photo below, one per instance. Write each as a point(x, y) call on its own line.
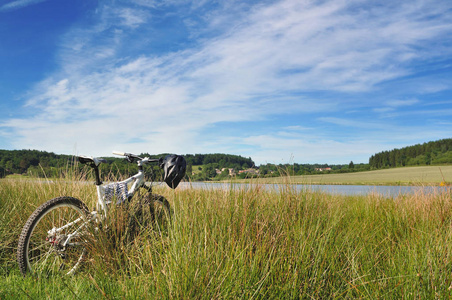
point(367, 124)
point(270, 60)
point(18, 4)
point(401, 103)
point(132, 17)
point(391, 106)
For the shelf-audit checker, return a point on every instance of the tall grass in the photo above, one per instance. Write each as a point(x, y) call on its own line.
point(248, 243)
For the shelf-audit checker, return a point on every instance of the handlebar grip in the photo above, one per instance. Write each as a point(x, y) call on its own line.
point(119, 153)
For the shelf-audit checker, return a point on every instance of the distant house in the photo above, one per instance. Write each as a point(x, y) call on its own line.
point(250, 171)
point(323, 169)
point(231, 171)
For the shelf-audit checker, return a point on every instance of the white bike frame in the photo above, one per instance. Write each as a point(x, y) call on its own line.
point(137, 181)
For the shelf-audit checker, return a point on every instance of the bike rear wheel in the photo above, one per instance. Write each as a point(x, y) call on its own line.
point(160, 212)
point(53, 238)
point(153, 212)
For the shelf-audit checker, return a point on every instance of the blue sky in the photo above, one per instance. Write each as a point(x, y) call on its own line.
point(278, 81)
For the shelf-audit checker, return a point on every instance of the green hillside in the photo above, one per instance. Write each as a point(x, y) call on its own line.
point(431, 153)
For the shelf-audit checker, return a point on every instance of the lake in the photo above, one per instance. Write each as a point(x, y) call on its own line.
point(349, 190)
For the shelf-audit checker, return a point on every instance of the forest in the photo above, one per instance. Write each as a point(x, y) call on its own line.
point(431, 153)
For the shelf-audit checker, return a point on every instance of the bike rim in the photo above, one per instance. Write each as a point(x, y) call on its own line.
point(45, 253)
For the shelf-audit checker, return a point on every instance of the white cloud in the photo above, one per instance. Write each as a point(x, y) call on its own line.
point(132, 17)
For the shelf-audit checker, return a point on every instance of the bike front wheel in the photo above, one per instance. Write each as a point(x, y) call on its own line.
point(53, 238)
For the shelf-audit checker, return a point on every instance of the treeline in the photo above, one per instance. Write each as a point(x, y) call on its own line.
point(223, 160)
point(271, 170)
point(20, 161)
point(216, 166)
point(48, 164)
point(431, 153)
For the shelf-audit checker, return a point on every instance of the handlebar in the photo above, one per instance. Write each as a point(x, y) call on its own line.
point(130, 157)
point(119, 153)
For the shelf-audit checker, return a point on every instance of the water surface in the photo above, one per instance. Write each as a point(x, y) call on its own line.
point(349, 190)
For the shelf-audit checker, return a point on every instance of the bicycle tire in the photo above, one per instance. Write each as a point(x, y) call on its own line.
point(43, 252)
point(153, 212)
point(160, 212)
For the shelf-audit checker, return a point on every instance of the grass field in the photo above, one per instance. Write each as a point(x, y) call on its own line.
point(251, 244)
point(426, 175)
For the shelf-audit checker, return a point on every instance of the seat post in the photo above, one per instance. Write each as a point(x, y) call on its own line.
point(96, 172)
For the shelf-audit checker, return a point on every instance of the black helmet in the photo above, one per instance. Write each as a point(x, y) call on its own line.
point(174, 167)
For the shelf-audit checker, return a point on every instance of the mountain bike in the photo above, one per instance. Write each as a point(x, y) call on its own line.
point(55, 237)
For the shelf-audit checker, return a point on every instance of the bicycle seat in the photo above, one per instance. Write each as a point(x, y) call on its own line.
point(93, 161)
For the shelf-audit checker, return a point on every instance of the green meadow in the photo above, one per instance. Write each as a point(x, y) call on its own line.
point(252, 243)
